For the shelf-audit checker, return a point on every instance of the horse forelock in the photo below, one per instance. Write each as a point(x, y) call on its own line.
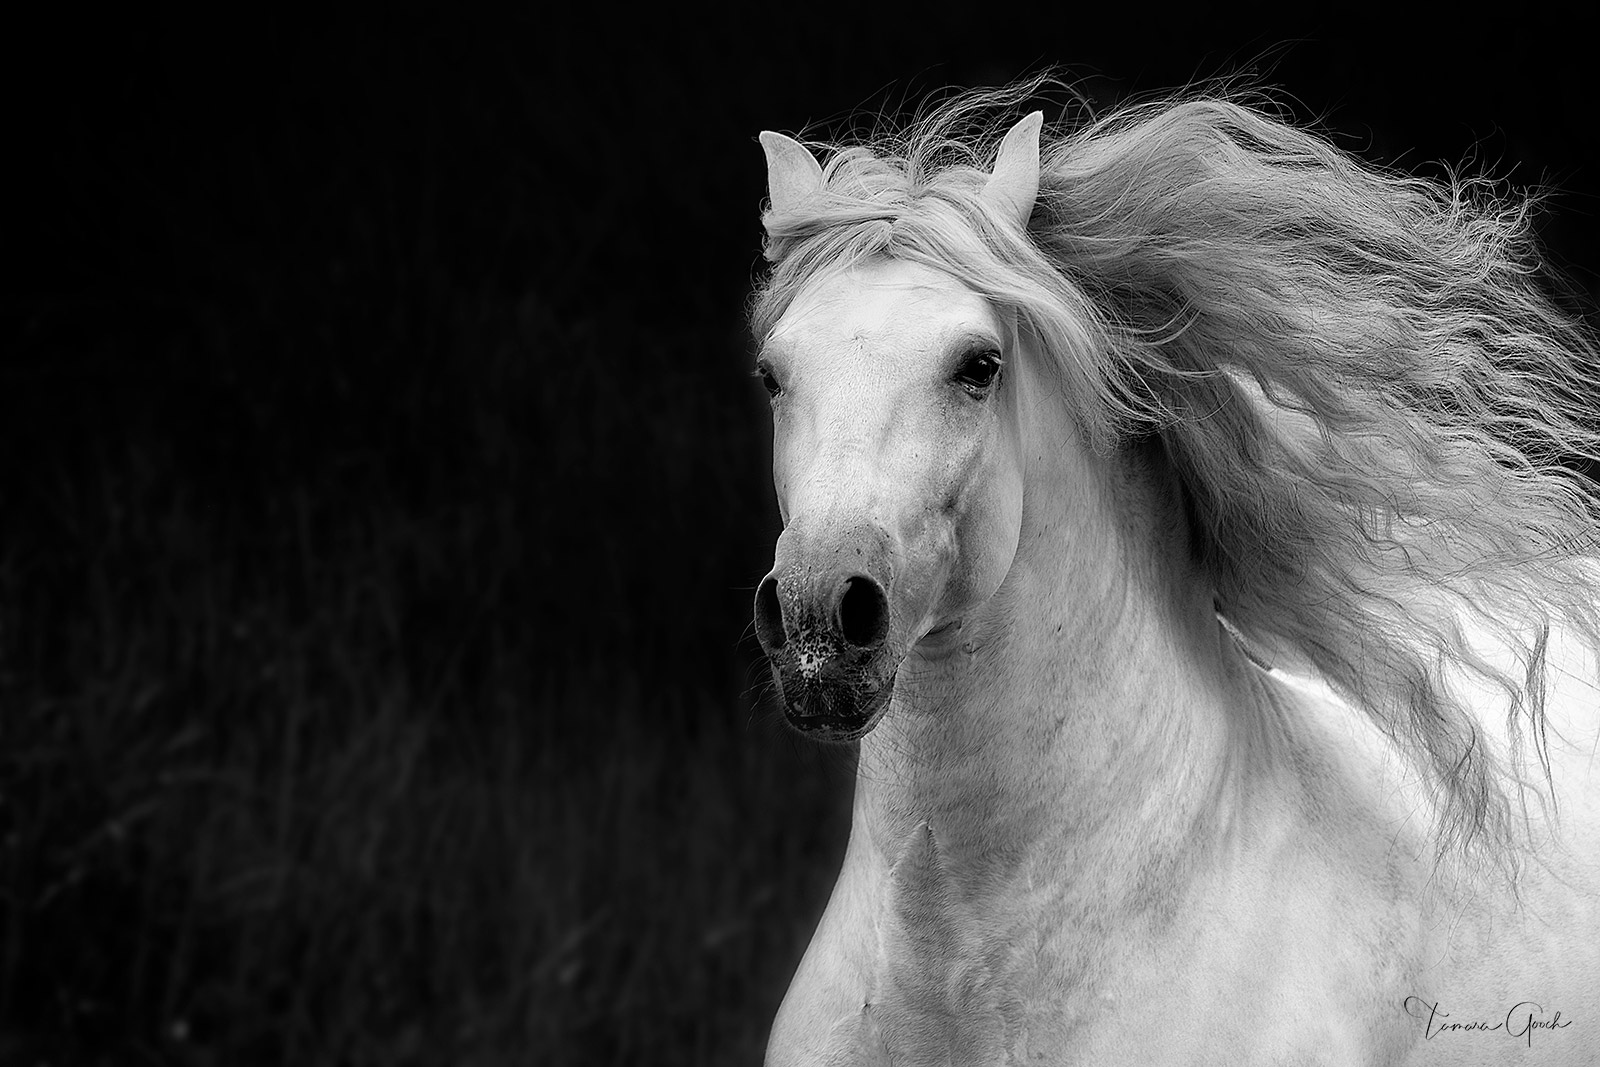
point(1355, 374)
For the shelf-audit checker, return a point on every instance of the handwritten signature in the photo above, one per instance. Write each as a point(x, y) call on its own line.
point(1522, 1019)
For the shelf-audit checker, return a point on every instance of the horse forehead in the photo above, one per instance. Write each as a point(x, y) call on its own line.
point(883, 307)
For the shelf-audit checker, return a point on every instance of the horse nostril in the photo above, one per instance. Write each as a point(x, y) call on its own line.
point(863, 613)
point(769, 616)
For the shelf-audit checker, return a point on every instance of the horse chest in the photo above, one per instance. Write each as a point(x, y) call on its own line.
point(1240, 977)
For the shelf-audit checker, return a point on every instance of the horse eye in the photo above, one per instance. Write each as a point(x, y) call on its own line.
point(979, 370)
point(769, 381)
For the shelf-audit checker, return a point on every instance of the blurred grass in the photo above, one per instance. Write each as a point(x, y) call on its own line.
point(377, 531)
point(381, 758)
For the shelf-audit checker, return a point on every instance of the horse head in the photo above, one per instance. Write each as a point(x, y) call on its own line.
point(898, 458)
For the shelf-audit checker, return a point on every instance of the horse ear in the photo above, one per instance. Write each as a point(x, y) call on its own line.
point(1014, 185)
point(793, 173)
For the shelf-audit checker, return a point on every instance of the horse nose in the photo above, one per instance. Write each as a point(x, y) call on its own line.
point(856, 609)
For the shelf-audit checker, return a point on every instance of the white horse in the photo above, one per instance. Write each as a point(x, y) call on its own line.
point(1066, 453)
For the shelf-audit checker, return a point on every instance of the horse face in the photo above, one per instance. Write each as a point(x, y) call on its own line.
point(897, 463)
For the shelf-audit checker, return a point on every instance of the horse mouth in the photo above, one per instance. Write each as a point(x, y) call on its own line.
point(838, 713)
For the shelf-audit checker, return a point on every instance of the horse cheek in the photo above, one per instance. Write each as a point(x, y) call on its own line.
point(988, 528)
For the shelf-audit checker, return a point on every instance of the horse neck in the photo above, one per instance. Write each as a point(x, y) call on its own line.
point(1086, 724)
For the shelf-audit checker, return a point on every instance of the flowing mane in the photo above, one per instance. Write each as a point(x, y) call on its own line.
point(1371, 405)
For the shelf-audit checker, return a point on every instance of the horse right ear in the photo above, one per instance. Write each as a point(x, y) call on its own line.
point(793, 173)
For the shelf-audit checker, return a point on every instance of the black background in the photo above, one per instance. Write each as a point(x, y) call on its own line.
point(407, 354)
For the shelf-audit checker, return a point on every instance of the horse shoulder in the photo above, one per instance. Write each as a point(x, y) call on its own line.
point(1434, 931)
point(1325, 901)
point(1537, 948)
point(826, 1016)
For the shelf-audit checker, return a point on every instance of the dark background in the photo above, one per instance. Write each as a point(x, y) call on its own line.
point(382, 490)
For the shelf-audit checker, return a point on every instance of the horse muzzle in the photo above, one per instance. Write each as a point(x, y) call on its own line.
point(826, 626)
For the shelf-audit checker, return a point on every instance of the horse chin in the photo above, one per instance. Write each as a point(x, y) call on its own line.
point(838, 713)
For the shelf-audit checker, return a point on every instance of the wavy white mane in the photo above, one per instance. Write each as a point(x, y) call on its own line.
point(1373, 408)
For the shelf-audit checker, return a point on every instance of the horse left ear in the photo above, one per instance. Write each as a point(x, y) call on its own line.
point(1014, 185)
point(793, 173)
